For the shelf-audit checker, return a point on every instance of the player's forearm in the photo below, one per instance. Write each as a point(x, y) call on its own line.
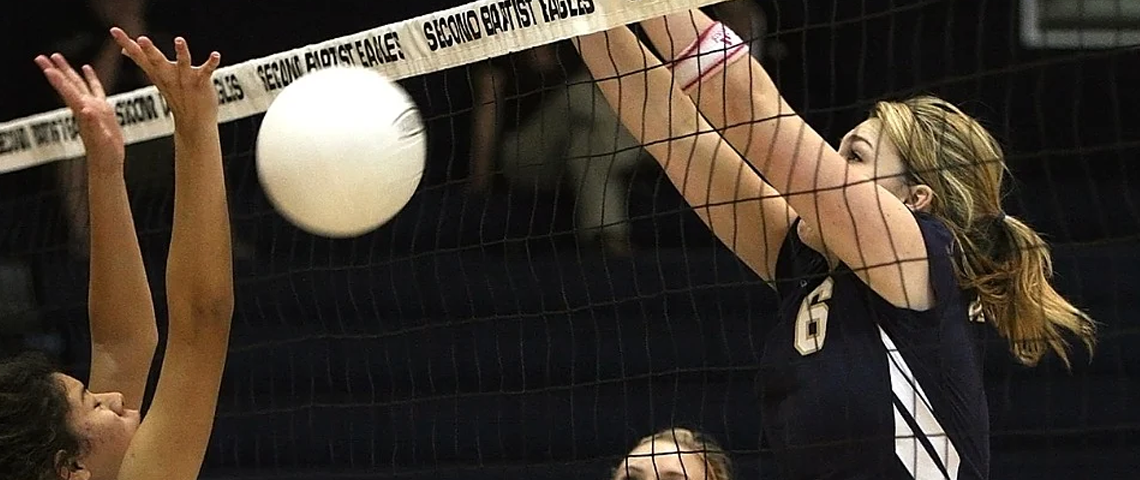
point(200, 263)
point(713, 179)
point(668, 125)
point(743, 101)
point(120, 306)
point(721, 97)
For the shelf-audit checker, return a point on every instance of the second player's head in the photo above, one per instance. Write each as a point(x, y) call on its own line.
point(54, 429)
point(675, 453)
point(939, 160)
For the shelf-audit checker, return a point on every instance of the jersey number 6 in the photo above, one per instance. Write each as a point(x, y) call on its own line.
point(811, 321)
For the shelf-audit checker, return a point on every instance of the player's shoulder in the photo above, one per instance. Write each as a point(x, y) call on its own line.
point(942, 254)
point(934, 230)
point(942, 248)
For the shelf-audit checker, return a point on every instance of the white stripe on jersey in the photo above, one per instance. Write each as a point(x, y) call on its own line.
point(908, 448)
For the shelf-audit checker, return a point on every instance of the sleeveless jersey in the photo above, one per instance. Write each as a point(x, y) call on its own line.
point(853, 387)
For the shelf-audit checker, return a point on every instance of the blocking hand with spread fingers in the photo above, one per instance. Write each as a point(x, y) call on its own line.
point(57, 426)
point(188, 89)
point(84, 95)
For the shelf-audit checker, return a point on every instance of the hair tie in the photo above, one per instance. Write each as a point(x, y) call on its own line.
point(1002, 244)
point(998, 221)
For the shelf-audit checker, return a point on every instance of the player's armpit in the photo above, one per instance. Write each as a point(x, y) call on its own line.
point(745, 213)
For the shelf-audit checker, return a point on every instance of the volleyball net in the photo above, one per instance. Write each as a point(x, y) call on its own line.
point(451, 38)
point(548, 298)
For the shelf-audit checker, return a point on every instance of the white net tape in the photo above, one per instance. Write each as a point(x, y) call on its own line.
point(429, 43)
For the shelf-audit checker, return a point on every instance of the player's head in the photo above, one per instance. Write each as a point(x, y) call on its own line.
point(54, 429)
point(931, 155)
point(675, 453)
point(939, 160)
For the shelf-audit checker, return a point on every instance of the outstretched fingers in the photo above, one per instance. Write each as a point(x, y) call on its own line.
point(151, 53)
point(182, 53)
point(66, 89)
point(148, 57)
point(211, 64)
point(185, 62)
point(132, 49)
point(44, 63)
point(61, 64)
point(93, 82)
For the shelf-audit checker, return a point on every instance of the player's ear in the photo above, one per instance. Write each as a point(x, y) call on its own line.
point(919, 198)
point(70, 469)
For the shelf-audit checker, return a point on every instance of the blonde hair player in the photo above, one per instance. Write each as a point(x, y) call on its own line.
point(887, 253)
point(675, 454)
point(54, 427)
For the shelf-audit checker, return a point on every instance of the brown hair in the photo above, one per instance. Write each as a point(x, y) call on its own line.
point(1003, 260)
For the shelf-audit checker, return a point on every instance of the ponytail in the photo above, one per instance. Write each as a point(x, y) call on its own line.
point(1003, 261)
point(1009, 269)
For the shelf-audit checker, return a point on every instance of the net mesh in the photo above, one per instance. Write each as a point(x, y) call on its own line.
point(500, 327)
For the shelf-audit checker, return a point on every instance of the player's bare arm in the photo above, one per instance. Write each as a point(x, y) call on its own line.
point(729, 197)
point(120, 308)
point(171, 441)
point(865, 226)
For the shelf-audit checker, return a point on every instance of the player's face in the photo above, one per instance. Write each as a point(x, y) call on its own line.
point(104, 426)
point(872, 154)
point(661, 460)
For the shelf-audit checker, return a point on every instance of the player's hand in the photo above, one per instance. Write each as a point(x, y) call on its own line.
point(188, 90)
point(98, 126)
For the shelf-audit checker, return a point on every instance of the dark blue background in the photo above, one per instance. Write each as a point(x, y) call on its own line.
point(472, 338)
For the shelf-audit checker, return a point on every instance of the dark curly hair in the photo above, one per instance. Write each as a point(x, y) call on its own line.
point(33, 414)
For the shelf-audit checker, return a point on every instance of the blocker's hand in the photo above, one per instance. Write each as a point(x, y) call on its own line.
point(98, 125)
point(188, 90)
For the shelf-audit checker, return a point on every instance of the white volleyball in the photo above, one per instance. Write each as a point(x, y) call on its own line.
point(341, 151)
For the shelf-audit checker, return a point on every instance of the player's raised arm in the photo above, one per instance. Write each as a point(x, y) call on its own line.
point(867, 227)
point(171, 441)
point(120, 307)
point(744, 212)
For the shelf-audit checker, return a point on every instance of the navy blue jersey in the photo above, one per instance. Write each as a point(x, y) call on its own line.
point(853, 387)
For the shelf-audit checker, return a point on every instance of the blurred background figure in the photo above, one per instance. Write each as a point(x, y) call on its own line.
point(79, 30)
point(90, 44)
point(539, 120)
point(675, 454)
